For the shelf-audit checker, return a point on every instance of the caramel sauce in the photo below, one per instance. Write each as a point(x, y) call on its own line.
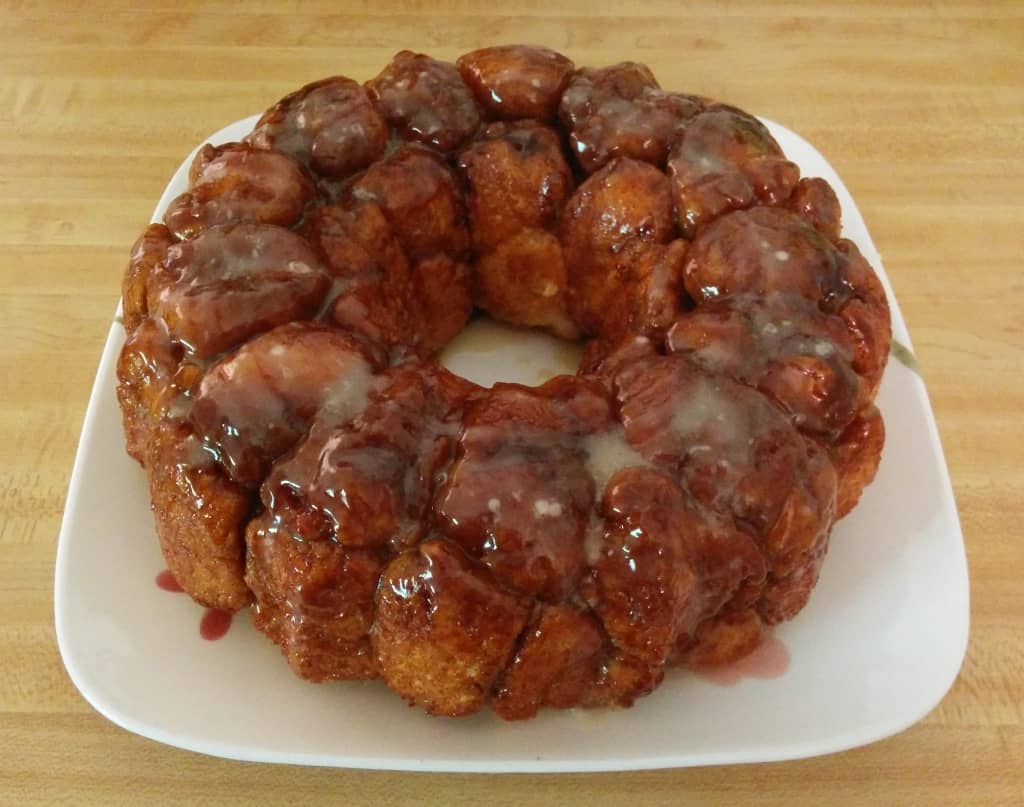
point(165, 581)
point(769, 660)
point(215, 622)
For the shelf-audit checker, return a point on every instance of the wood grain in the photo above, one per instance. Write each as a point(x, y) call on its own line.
point(920, 107)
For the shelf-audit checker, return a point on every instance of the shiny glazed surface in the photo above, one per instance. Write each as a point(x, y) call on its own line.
point(553, 546)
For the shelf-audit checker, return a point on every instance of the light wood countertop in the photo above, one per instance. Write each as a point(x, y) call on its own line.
point(920, 108)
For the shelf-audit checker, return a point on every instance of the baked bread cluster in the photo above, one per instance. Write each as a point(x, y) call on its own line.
point(518, 547)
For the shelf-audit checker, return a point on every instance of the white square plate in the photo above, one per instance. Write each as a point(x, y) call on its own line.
point(875, 650)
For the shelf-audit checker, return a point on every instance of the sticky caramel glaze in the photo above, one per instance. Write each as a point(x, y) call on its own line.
point(725, 159)
point(760, 251)
point(349, 498)
point(616, 216)
point(371, 273)
point(425, 100)
point(145, 367)
point(230, 283)
point(517, 81)
point(783, 345)
point(590, 87)
point(856, 456)
point(236, 182)
point(666, 565)
point(642, 128)
point(516, 178)
point(740, 457)
point(371, 482)
point(520, 495)
point(425, 306)
point(314, 599)
point(420, 197)
point(256, 403)
point(620, 111)
point(147, 252)
point(650, 297)
point(398, 302)
point(814, 200)
point(769, 250)
point(329, 125)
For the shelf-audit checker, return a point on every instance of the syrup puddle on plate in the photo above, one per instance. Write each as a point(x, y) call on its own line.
point(215, 622)
point(769, 660)
point(165, 581)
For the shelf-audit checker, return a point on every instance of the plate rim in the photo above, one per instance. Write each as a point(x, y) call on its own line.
point(869, 733)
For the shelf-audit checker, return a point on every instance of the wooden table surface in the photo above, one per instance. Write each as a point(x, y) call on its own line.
point(919, 107)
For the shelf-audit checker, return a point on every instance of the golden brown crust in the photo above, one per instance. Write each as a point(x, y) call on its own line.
point(145, 366)
point(723, 640)
point(444, 629)
point(147, 252)
point(651, 298)
point(516, 178)
point(524, 281)
point(440, 301)
point(314, 599)
point(556, 661)
point(856, 455)
point(517, 182)
point(200, 518)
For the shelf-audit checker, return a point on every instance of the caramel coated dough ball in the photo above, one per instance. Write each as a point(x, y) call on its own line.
point(444, 629)
point(618, 214)
point(724, 160)
point(235, 183)
point(426, 100)
point(517, 183)
point(329, 125)
point(230, 283)
point(517, 81)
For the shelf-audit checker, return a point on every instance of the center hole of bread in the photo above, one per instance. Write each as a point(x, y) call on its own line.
point(486, 352)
